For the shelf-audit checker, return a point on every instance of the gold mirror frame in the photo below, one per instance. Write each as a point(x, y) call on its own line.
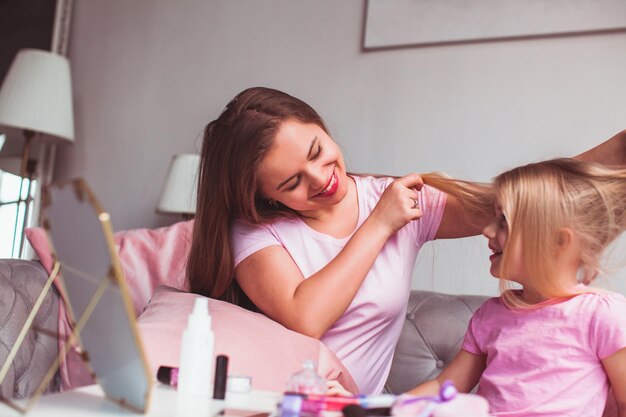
point(89, 276)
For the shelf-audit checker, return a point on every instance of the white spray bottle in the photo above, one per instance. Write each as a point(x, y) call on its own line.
point(196, 353)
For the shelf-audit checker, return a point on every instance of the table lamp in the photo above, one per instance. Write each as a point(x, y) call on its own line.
point(36, 99)
point(181, 183)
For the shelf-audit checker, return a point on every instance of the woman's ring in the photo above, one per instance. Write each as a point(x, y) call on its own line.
point(416, 204)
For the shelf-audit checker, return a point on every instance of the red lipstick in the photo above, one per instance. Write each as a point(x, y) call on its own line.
point(331, 187)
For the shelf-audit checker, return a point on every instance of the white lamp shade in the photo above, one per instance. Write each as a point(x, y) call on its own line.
point(37, 95)
point(179, 191)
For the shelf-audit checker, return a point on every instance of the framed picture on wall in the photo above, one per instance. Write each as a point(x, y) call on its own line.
point(403, 23)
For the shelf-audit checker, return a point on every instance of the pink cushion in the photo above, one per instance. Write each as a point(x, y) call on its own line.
point(256, 345)
point(149, 257)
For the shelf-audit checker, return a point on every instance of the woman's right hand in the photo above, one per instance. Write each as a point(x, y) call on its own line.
point(399, 204)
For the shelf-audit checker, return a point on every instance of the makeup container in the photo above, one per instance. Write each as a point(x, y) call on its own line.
point(238, 389)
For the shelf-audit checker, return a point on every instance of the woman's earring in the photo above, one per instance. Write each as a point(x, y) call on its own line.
point(272, 203)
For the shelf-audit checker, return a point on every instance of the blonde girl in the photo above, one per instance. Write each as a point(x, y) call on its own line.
point(555, 346)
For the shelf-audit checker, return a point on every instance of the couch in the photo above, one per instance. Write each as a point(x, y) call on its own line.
point(432, 333)
point(20, 285)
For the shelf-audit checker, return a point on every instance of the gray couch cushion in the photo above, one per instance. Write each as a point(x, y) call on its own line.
point(21, 283)
point(432, 335)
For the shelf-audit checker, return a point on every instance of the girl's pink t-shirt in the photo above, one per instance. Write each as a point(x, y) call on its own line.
point(364, 338)
point(547, 361)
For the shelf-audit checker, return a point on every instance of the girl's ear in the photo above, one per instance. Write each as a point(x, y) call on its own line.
point(565, 237)
point(567, 245)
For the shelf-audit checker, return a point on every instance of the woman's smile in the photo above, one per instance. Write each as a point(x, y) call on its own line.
point(331, 187)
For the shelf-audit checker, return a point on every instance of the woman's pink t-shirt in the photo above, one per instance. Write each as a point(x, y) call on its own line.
point(365, 337)
point(546, 361)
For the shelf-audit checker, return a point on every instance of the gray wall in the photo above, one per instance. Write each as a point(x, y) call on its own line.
point(149, 74)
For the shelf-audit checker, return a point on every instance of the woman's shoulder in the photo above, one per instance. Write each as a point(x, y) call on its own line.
point(372, 180)
point(243, 230)
point(242, 226)
point(370, 188)
point(378, 183)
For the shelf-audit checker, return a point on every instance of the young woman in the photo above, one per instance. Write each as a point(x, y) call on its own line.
point(281, 226)
point(553, 347)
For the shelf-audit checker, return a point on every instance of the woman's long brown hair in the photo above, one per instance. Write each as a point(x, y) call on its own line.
point(228, 185)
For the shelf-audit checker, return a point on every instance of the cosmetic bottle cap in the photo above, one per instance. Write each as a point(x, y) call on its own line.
point(307, 380)
point(164, 374)
point(199, 319)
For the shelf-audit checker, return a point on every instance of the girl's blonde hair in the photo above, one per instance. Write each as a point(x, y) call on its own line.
point(477, 199)
point(541, 199)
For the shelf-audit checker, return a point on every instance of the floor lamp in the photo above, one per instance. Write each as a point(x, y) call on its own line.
point(36, 99)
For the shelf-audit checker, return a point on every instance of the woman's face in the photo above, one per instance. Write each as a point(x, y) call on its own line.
point(304, 169)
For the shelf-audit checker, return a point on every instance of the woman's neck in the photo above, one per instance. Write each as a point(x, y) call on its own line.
point(339, 220)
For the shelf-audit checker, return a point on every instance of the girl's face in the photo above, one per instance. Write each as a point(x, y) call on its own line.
point(304, 169)
point(497, 232)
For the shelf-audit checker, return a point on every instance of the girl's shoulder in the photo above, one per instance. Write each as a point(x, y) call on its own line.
point(592, 300)
point(596, 298)
point(598, 294)
point(597, 304)
point(492, 307)
point(607, 320)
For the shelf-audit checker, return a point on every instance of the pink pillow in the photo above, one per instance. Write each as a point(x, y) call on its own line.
point(256, 345)
point(149, 257)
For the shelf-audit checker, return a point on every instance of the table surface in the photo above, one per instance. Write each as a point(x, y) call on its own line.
point(90, 401)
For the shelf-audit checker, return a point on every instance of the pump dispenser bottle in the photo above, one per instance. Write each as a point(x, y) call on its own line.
point(196, 353)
